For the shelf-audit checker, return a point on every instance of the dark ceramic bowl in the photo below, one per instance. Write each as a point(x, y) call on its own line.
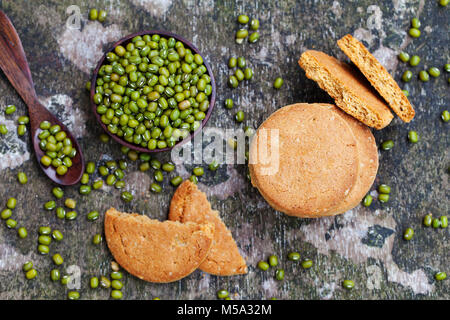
point(124, 41)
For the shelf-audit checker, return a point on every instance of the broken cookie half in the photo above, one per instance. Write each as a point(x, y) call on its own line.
point(189, 204)
point(157, 251)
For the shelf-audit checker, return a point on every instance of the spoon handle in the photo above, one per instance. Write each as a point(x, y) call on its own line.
point(13, 61)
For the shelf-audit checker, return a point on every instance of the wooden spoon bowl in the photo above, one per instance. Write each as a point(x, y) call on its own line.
point(123, 42)
point(14, 64)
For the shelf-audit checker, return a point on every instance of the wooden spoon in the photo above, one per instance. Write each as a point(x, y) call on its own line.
point(14, 64)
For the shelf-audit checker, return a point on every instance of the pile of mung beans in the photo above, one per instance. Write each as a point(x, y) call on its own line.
point(58, 147)
point(153, 92)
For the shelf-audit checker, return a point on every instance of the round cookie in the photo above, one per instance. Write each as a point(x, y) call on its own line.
point(368, 163)
point(190, 204)
point(315, 166)
point(156, 251)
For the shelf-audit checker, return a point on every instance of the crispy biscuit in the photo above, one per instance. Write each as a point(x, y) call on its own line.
point(190, 204)
point(378, 76)
point(351, 92)
point(157, 251)
point(318, 160)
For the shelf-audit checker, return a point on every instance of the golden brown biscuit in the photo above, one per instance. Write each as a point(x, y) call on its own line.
point(351, 92)
point(368, 163)
point(190, 204)
point(156, 251)
point(378, 76)
point(318, 160)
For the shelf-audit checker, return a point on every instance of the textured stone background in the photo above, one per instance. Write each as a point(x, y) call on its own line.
point(364, 244)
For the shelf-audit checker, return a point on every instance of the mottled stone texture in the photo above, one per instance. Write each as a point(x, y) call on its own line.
point(364, 244)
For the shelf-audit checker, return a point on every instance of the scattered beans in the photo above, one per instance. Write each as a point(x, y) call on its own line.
point(367, 201)
point(73, 295)
point(11, 203)
point(348, 284)
point(407, 76)
point(10, 109)
point(403, 56)
point(436, 223)
point(254, 24)
point(94, 282)
point(387, 145)
point(27, 266)
point(71, 215)
point(427, 220)
point(383, 198)
point(3, 129)
point(57, 235)
point(70, 203)
point(126, 196)
point(294, 256)
point(55, 275)
point(222, 294)
point(424, 76)
point(97, 239)
point(262, 265)
point(22, 232)
point(279, 274)
point(22, 177)
point(415, 23)
point(243, 19)
point(278, 83)
point(408, 234)
point(93, 215)
point(116, 294)
point(93, 14)
point(413, 32)
point(306, 264)
point(439, 276)
point(413, 136)
point(31, 274)
point(58, 192)
point(11, 224)
point(414, 61)
point(213, 166)
point(58, 259)
point(444, 222)
point(383, 188)
point(273, 261)
point(176, 181)
point(434, 72)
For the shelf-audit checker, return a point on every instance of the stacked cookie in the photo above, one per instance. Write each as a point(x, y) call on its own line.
point(359, 95)
point(324, 160)
point(193, 237)
point(322, 163)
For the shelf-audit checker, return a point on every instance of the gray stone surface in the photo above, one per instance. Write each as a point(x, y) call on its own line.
point(364, 244)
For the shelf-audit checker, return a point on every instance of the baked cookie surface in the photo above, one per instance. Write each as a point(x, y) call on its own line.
point(351, 92)
point(156, 251)
point(378, 76)
point(368, 163)
point(190, 204)
point(318, 160)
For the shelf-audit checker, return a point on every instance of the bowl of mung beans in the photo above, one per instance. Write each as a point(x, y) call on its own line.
point(152, 90)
